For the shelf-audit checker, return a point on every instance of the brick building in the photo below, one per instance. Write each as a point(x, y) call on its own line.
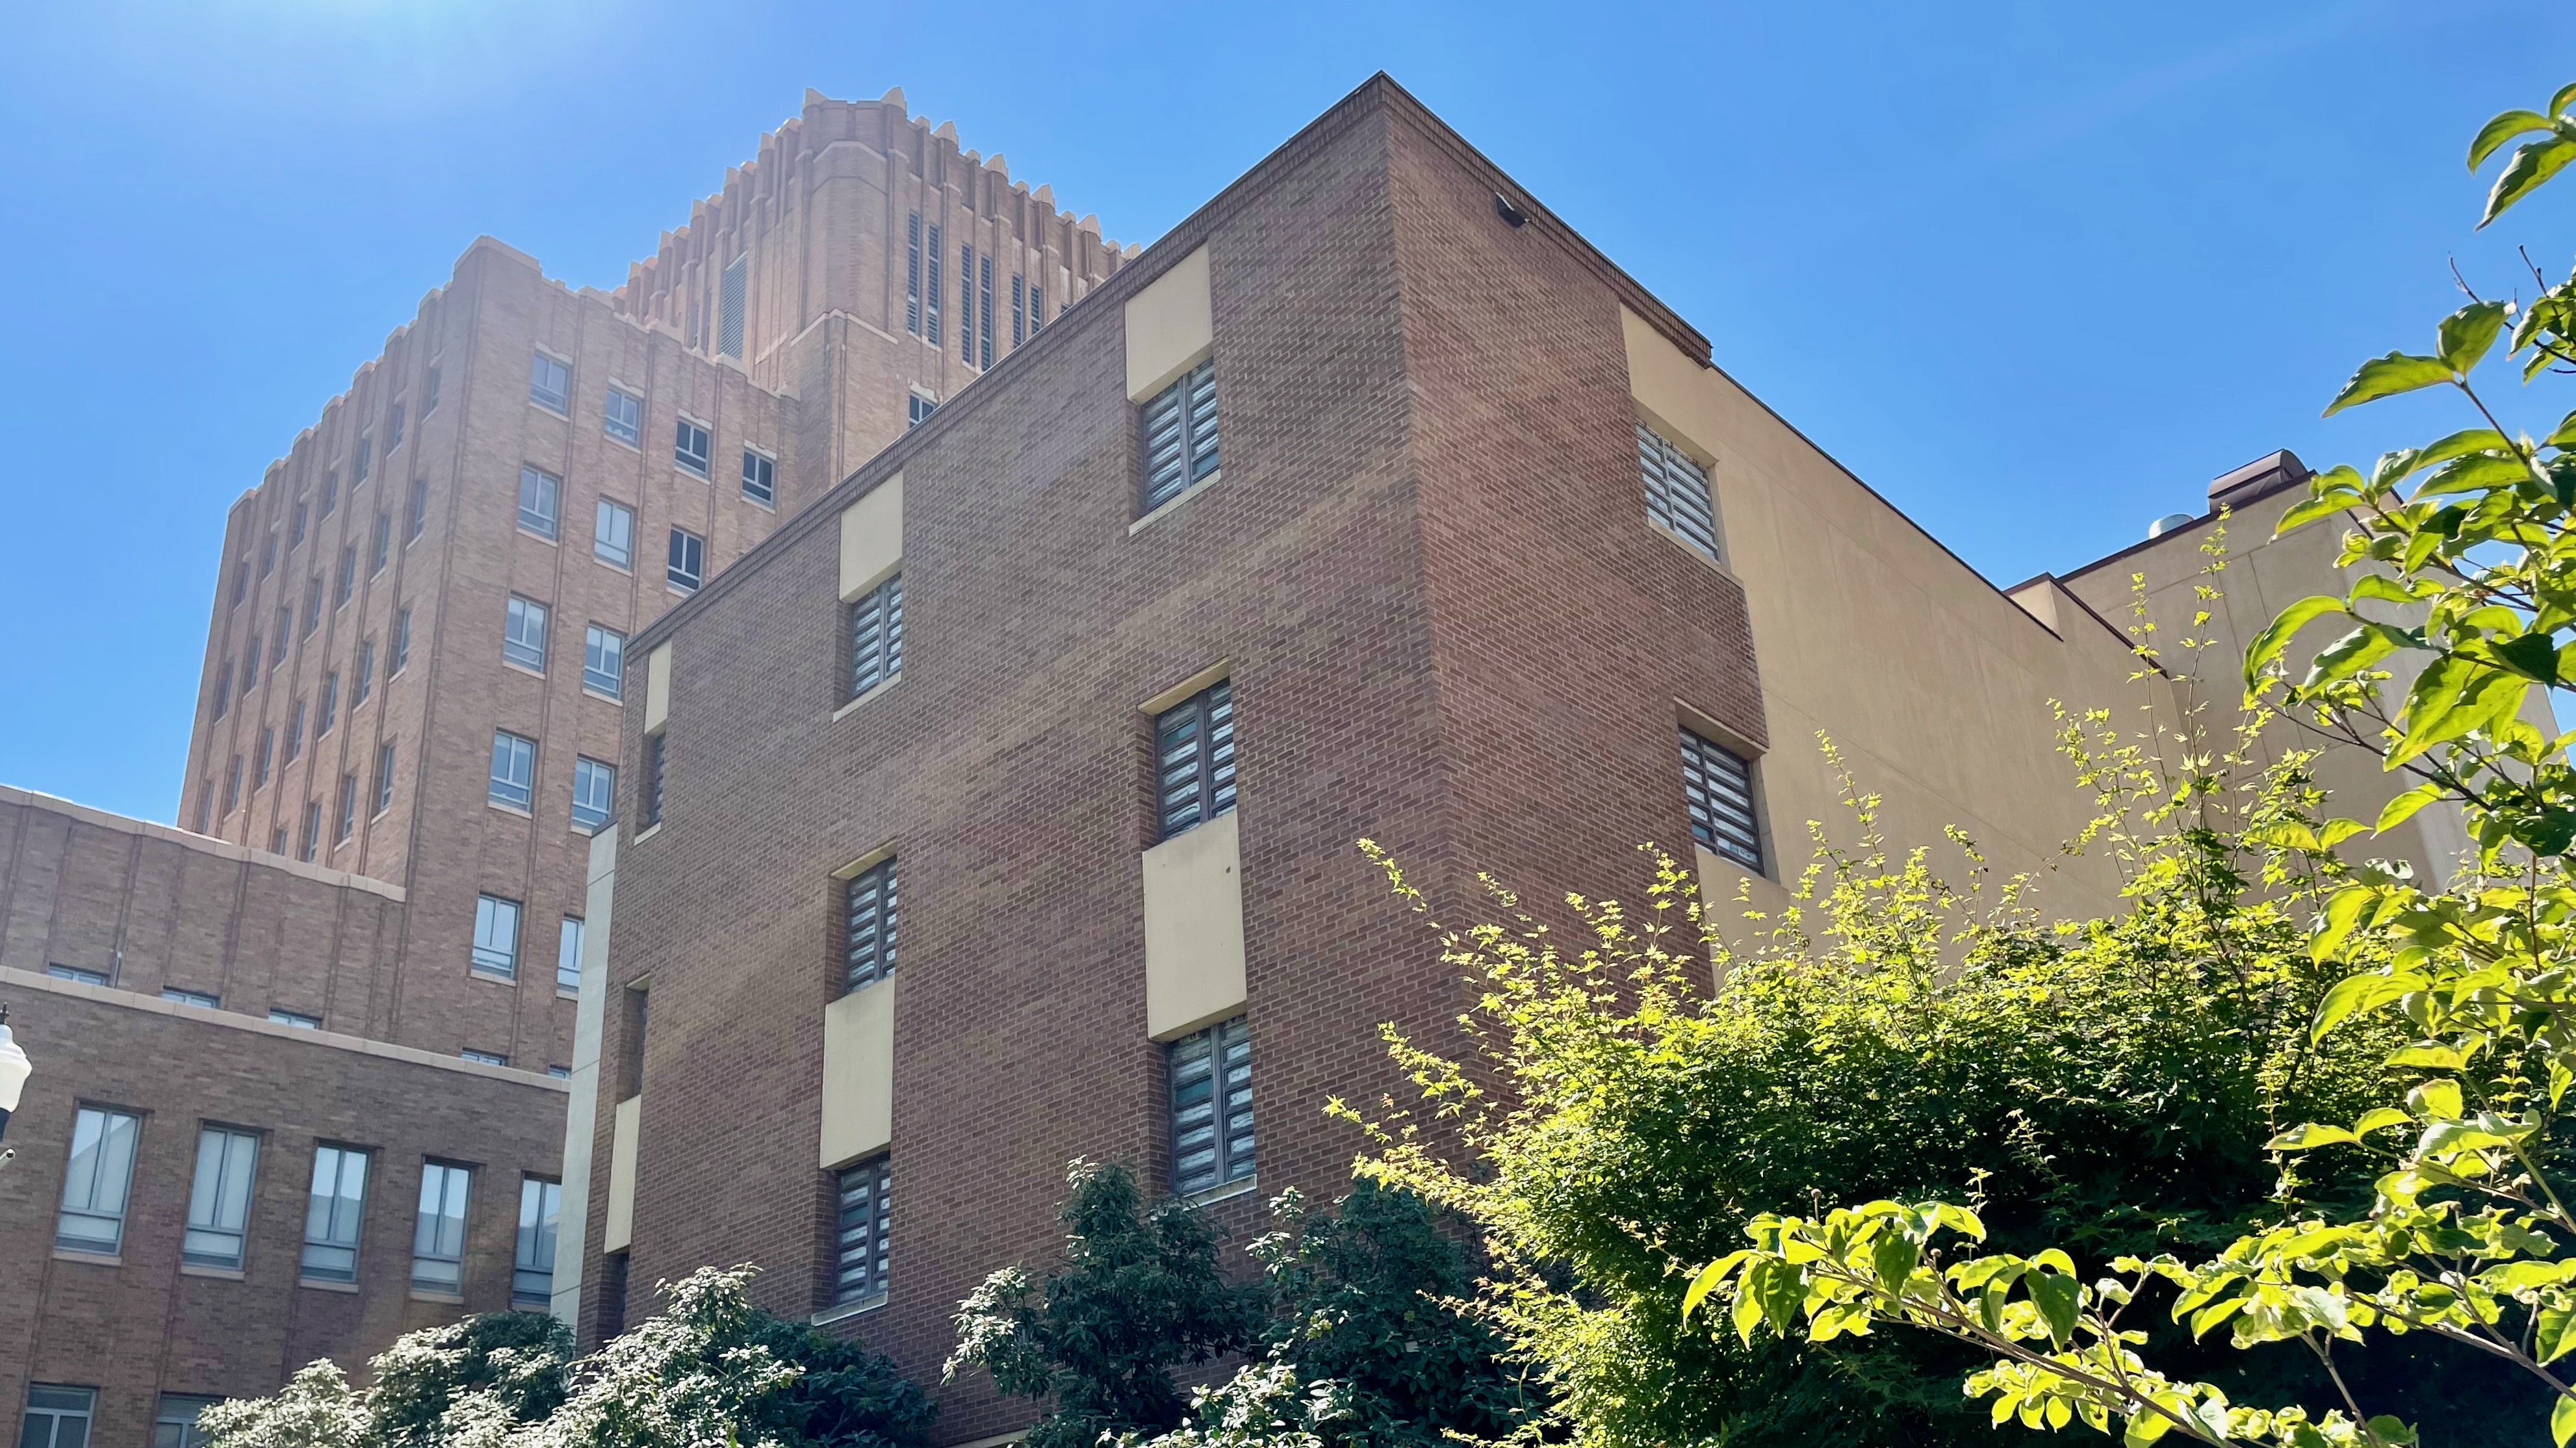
point(1370, 501)
point(221, 1164)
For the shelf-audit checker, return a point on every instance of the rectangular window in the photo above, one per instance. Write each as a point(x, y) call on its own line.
point(691, 446)
point(859, 1258)
point(523, 634)
point(483, 1058)
point(219, 1204)
point(729, 306)
point(312, 845)
point(347, 583)
point(438, 1235)
point(295, 528)
point(688, 567)
point(922, 407)
point(313, 605)
point(603, 661)
point(532, 1276)
point(514, 769)
point(177, 996)
point(205, 801)
point(966, 305)
point(328, 713)
point(259, 766)
point(74, 972)
point(876, 636)
point(348, 808)
point(594, 793)
point(1677, 494)
point(384, 776)
point(429, 393)
point(278, 1015)
point(649, 803)
point(540, 498)
point(568, 955)
point(1037, 309)
point(95, 1186)
point(1194, 758)
point(362, 685)
point(223, 688)
point(57, 1417)
point(912, 273)
point(984, 308)
point(1718, 783)
point(868, 926)
point(930, 293)
point(1212, 1107)
point(612, 535)
point(394, 428)
point(365, 463)
point(625, 418)
point(334, 1212)
point(250, 666)
point(232, 786)
point(759, 478)
point(268, 553)
point(277, 840)
point(330, 492)
point(283, 636)
point(400, 654)
point(1180, 435)
point(549, 383)
point(1019, 311)
point(419, 510)
point(174, 1424)
point(496, 936)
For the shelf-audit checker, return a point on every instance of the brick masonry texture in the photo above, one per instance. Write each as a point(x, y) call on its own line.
point(1445, 618)
point(152, 908)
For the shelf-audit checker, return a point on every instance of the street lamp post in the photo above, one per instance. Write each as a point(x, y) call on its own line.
point(14, 1071)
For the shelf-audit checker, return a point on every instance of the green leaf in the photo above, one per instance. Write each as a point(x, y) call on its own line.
point(2435, 1100)
point(2276, 636)
point(1709, 1277)
point(2056, 1295)
point(2550, 1337)
point(2502, 129)
point(2533, 163)
point(2386, 377)
point(2468, 333)
point(1748, 1302)
point(2358, 650)
point(1894, 1256)
point(2558, 103)
point(2401, 809)
point(2308, 1137)
point(2342, 917)
point(2462, 443)
point(2562, 1420)
point(2380, 1119)
point(2534, 656)
point(2474, 473)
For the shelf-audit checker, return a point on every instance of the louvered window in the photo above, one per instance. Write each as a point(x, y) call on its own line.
point(648, 802)
point(1677, 493)
point(930, 293)
point(860, 1261)
point(1212, 1107)
point(868, 926)
point(984, 307)
point(966, 304)
point(912, 273)
point(1194, 759)
point(729, 304)
point(1719, 785)
point(1180, 435)
point(876, 636)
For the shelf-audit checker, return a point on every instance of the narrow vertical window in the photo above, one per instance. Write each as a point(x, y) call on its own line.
point(496, 936)
point(219, 1203)
point(759, 478)
point(330, 492)
point(1677, 493)
point(930, 293)
point(1212, 1141)
point(523, 633)
point(399, 653)
point(438, 1232)
point(328, 712)
point(1718, 784)
point(419, 510)
point(612, 537)
point(362, 683)
point(648, 804)
point(250, 666)
point(241, 579)
point(224, 688)
point(532, 1275)
point(603, 662)
point(429, 393)
point(364, 465)
point(729, 306)
point(1180, 435)
point(692, 446)
point(312, 845)
point(912, 273)
point(333, 1214)
point(232, 786)
point(984, 308)
point(549, 383)
point(688, 563)
point(384, 776)
point(268, 554)
point(859, 1260)
point(1019, 311)
point(514, 770)
point(295, 529)
point(966, 305)
point(540, 501)
point(624, 420)
point(868, 919)
point(594, 793)
point(876, 636)
point(568, 955)
point(1194, 758)
point(261, 758)
point(205, 802)
point(97, 1181)
point(394, 428)
point(1037, 309)
point(282, 637)
point(294, 731)
point(348, 808)
point(348, 579)
point(313, 605)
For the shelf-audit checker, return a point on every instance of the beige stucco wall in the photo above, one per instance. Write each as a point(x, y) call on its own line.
point(617, 1233)
point(1170, 323)
point(1935, 687)
point(872, 538)
point(858, 1074)
point(1194, 929)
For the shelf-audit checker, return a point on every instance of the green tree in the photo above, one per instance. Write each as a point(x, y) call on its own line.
point(517, 1358)
point(2466, 565)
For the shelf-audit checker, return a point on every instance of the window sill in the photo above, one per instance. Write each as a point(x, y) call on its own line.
point(527, 532)
point(318, 1285)
point(523, 668)
point(1177, 499)
point(649, 832)
point(423, 1294)
point(618, 699)
point(692, 474)
point(768, 507)
point(95, 1259)
point(1693, 549)
point(1224, 1193)
point(879, 687)
point(509, 809)
point(563, 994)
point(849, 1309)
point(220, 1274)
point(636, 447)
point(562, 412)
point(626, 568)
point(477, 972)
point(677, 591)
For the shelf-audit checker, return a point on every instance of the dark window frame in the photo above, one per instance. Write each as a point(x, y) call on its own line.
point(1206, 724)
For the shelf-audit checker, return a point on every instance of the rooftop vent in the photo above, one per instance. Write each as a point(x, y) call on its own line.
point(2267, 474)
point(2168, 523)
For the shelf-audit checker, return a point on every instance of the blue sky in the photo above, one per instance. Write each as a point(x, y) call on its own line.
point(2037, 271)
